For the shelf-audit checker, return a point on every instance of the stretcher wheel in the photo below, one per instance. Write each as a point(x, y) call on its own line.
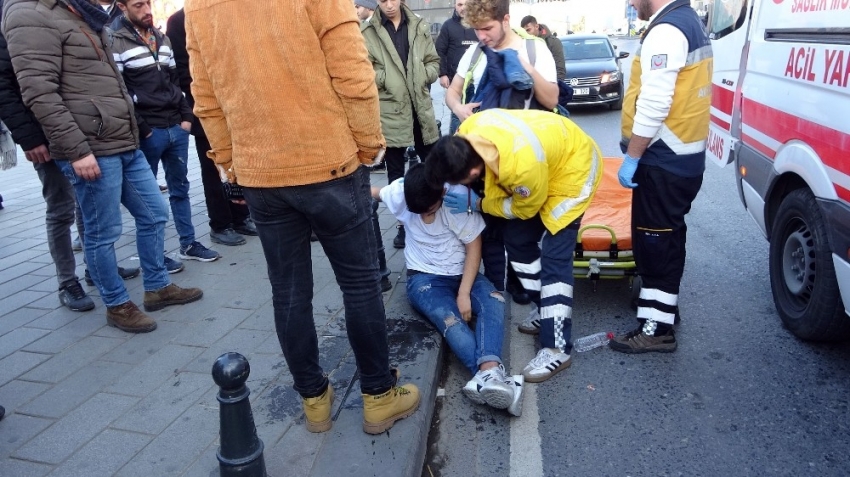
point(636, 284)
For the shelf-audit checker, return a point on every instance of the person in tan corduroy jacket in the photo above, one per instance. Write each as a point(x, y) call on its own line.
point(290, 108)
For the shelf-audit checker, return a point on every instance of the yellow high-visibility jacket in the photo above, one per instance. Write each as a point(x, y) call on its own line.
point(537, 163)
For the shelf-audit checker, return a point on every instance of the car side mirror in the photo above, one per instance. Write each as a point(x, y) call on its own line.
point(623, 54)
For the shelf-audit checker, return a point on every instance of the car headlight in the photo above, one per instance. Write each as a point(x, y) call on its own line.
point(609, 77)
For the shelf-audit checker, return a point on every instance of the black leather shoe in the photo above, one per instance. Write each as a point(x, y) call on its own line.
point(518, 294)
point(246, 228)
point(398, 241)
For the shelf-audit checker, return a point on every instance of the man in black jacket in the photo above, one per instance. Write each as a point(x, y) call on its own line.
point(228, 221)
point(452, 43)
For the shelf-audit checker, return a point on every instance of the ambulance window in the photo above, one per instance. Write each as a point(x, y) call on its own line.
point(726, 16)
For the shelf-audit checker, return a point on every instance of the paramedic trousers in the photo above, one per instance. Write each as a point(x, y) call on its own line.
point(546, 272)
point(659, 205)
point(339, 211)
point(493, 253)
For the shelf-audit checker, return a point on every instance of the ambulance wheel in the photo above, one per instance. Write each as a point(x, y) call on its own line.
point(802, 274)
point(636, 284)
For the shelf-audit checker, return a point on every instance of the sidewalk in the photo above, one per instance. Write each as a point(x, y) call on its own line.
point(85, 399)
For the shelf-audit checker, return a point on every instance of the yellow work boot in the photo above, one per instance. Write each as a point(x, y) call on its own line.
point(318, 411)
point(381, 411)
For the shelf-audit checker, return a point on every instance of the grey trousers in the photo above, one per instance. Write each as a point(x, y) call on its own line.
point(60, 199)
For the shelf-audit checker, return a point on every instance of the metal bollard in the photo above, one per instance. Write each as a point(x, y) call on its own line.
point(240, 453)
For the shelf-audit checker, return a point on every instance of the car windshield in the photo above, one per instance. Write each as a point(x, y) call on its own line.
point(586, 49)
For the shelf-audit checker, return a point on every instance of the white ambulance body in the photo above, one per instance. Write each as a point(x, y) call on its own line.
point(780, 111)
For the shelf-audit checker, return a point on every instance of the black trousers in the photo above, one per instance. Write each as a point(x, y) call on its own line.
point(394, 156)
point(223, 213)
point(659, 234)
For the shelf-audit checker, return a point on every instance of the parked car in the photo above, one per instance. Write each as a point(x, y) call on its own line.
point(593, 70)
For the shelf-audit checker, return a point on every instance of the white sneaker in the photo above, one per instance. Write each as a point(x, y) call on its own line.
point(496, 392)
point(531, 325)
point(546, 364)
point(515, 409)
point(472, 390)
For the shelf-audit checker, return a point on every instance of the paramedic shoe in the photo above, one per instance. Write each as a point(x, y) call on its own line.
point(386, 284)
point(73, 296)
point(547, 363)
point(398, 241)
point(381, 411)
point(496, 391)
point(227, 237)
point(247, 227)
point(472, 390)
point(196, 251)
point(531, 325)
point(317, 411)
point(517, 381)
point(128, 317)
point(171, 295)
point(636, 341)
point(518, 293)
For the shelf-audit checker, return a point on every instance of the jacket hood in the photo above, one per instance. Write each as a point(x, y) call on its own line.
point(486, 149)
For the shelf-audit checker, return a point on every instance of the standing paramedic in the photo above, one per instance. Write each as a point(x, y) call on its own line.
point(665, 127)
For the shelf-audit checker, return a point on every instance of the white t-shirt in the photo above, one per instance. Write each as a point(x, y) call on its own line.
point(437, 248)
point(544, 62)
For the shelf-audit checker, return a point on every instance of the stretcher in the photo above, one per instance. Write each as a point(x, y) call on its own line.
point(604, 243)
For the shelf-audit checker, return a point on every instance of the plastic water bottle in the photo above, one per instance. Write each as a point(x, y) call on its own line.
point(587, 343)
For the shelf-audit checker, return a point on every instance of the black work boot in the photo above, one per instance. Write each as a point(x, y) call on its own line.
point(398, 241)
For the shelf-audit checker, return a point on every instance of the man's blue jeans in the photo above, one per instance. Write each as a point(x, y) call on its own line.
point(435, 296)
point(125, 179)
point(339, 211)
point(171, 146)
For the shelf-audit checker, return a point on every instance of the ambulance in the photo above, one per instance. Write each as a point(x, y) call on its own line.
point(780, 111)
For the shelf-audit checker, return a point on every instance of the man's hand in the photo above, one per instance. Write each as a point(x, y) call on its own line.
point(627, 172)
point(234, 192)
point(87, 168)
point(466, 111)
point(464, 305)
point(459, 203)
point(38, 154)
point(445, 81)
point(186, 126)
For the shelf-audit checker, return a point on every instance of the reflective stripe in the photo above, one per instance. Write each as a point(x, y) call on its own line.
point(556, 311)
point(530, 284)
point(139, 50)
point(556, 289)
point(569, 204)
point(659, 296)
point(675, 144)
point(700, 54)
point(116, 57)
point(120, 67)
point(654, 314)
point(527, 134)
point(164, 50)
point(140, 63)
point(527, 268)
point(507, 208)
point(171, 63)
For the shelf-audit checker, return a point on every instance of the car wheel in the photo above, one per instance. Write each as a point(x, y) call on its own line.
point(618, 105)
point(802, 274)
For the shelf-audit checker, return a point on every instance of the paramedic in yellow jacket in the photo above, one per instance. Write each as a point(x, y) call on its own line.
point(541, 171)
point(665, 127)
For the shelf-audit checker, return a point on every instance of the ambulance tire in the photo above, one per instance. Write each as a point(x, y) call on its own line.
point(802, 274)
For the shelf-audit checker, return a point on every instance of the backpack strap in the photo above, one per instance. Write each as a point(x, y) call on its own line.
point(531, 49)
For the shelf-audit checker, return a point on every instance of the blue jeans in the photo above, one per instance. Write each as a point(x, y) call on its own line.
point(435, 296)
point(125, 179)
point(171, 146)
point(339, 211)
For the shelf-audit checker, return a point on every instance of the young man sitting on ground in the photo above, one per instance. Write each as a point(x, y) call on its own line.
point(443, 255)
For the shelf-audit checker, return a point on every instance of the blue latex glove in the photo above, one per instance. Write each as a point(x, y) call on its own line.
point(627, 172)
point(459, 203)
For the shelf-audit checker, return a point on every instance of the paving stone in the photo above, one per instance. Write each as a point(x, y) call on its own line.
point(152, 372)
point(61, 316)
point(76, 389)
point(22, 468)
point(17, 430)
point(296, 452)
point(241, 341)
point(17, 392)
point(21, 299)
point(206, 465)
point(71, 359)
point(87, 323)
point(160, 408)
point(17, 363)
point(22, 283)
point(60, 440)
point(19, 338)
point(92, 460)
point(177, 447)
point(140, 346)
point(50, 301)
point(19, 317)
point(54, 342)
point(9, 251)
point(212, 328)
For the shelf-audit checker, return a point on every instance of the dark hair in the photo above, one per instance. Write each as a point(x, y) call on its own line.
point(418, 193)
point(450, 160)
point(526, 20)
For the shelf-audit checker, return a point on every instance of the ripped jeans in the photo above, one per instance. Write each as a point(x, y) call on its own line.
point(435, 296)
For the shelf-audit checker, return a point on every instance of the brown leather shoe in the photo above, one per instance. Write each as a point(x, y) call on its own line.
point(128, 317)
point(171, 295)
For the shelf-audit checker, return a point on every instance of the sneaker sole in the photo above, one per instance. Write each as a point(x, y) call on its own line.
point(228, 244)
point(84, 308)
point(515, 409)
point(190, 257)
point(665, 348)
point(540, 379)
point(161, 305)
point(148, 329)
point(526, 331)
point(497, 398)
point(473, 396)
point(129, 276)
point(176, 270)
point(380, 427)
point(317, 427)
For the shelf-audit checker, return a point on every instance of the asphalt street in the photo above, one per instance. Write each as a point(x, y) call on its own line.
point(740, 397)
